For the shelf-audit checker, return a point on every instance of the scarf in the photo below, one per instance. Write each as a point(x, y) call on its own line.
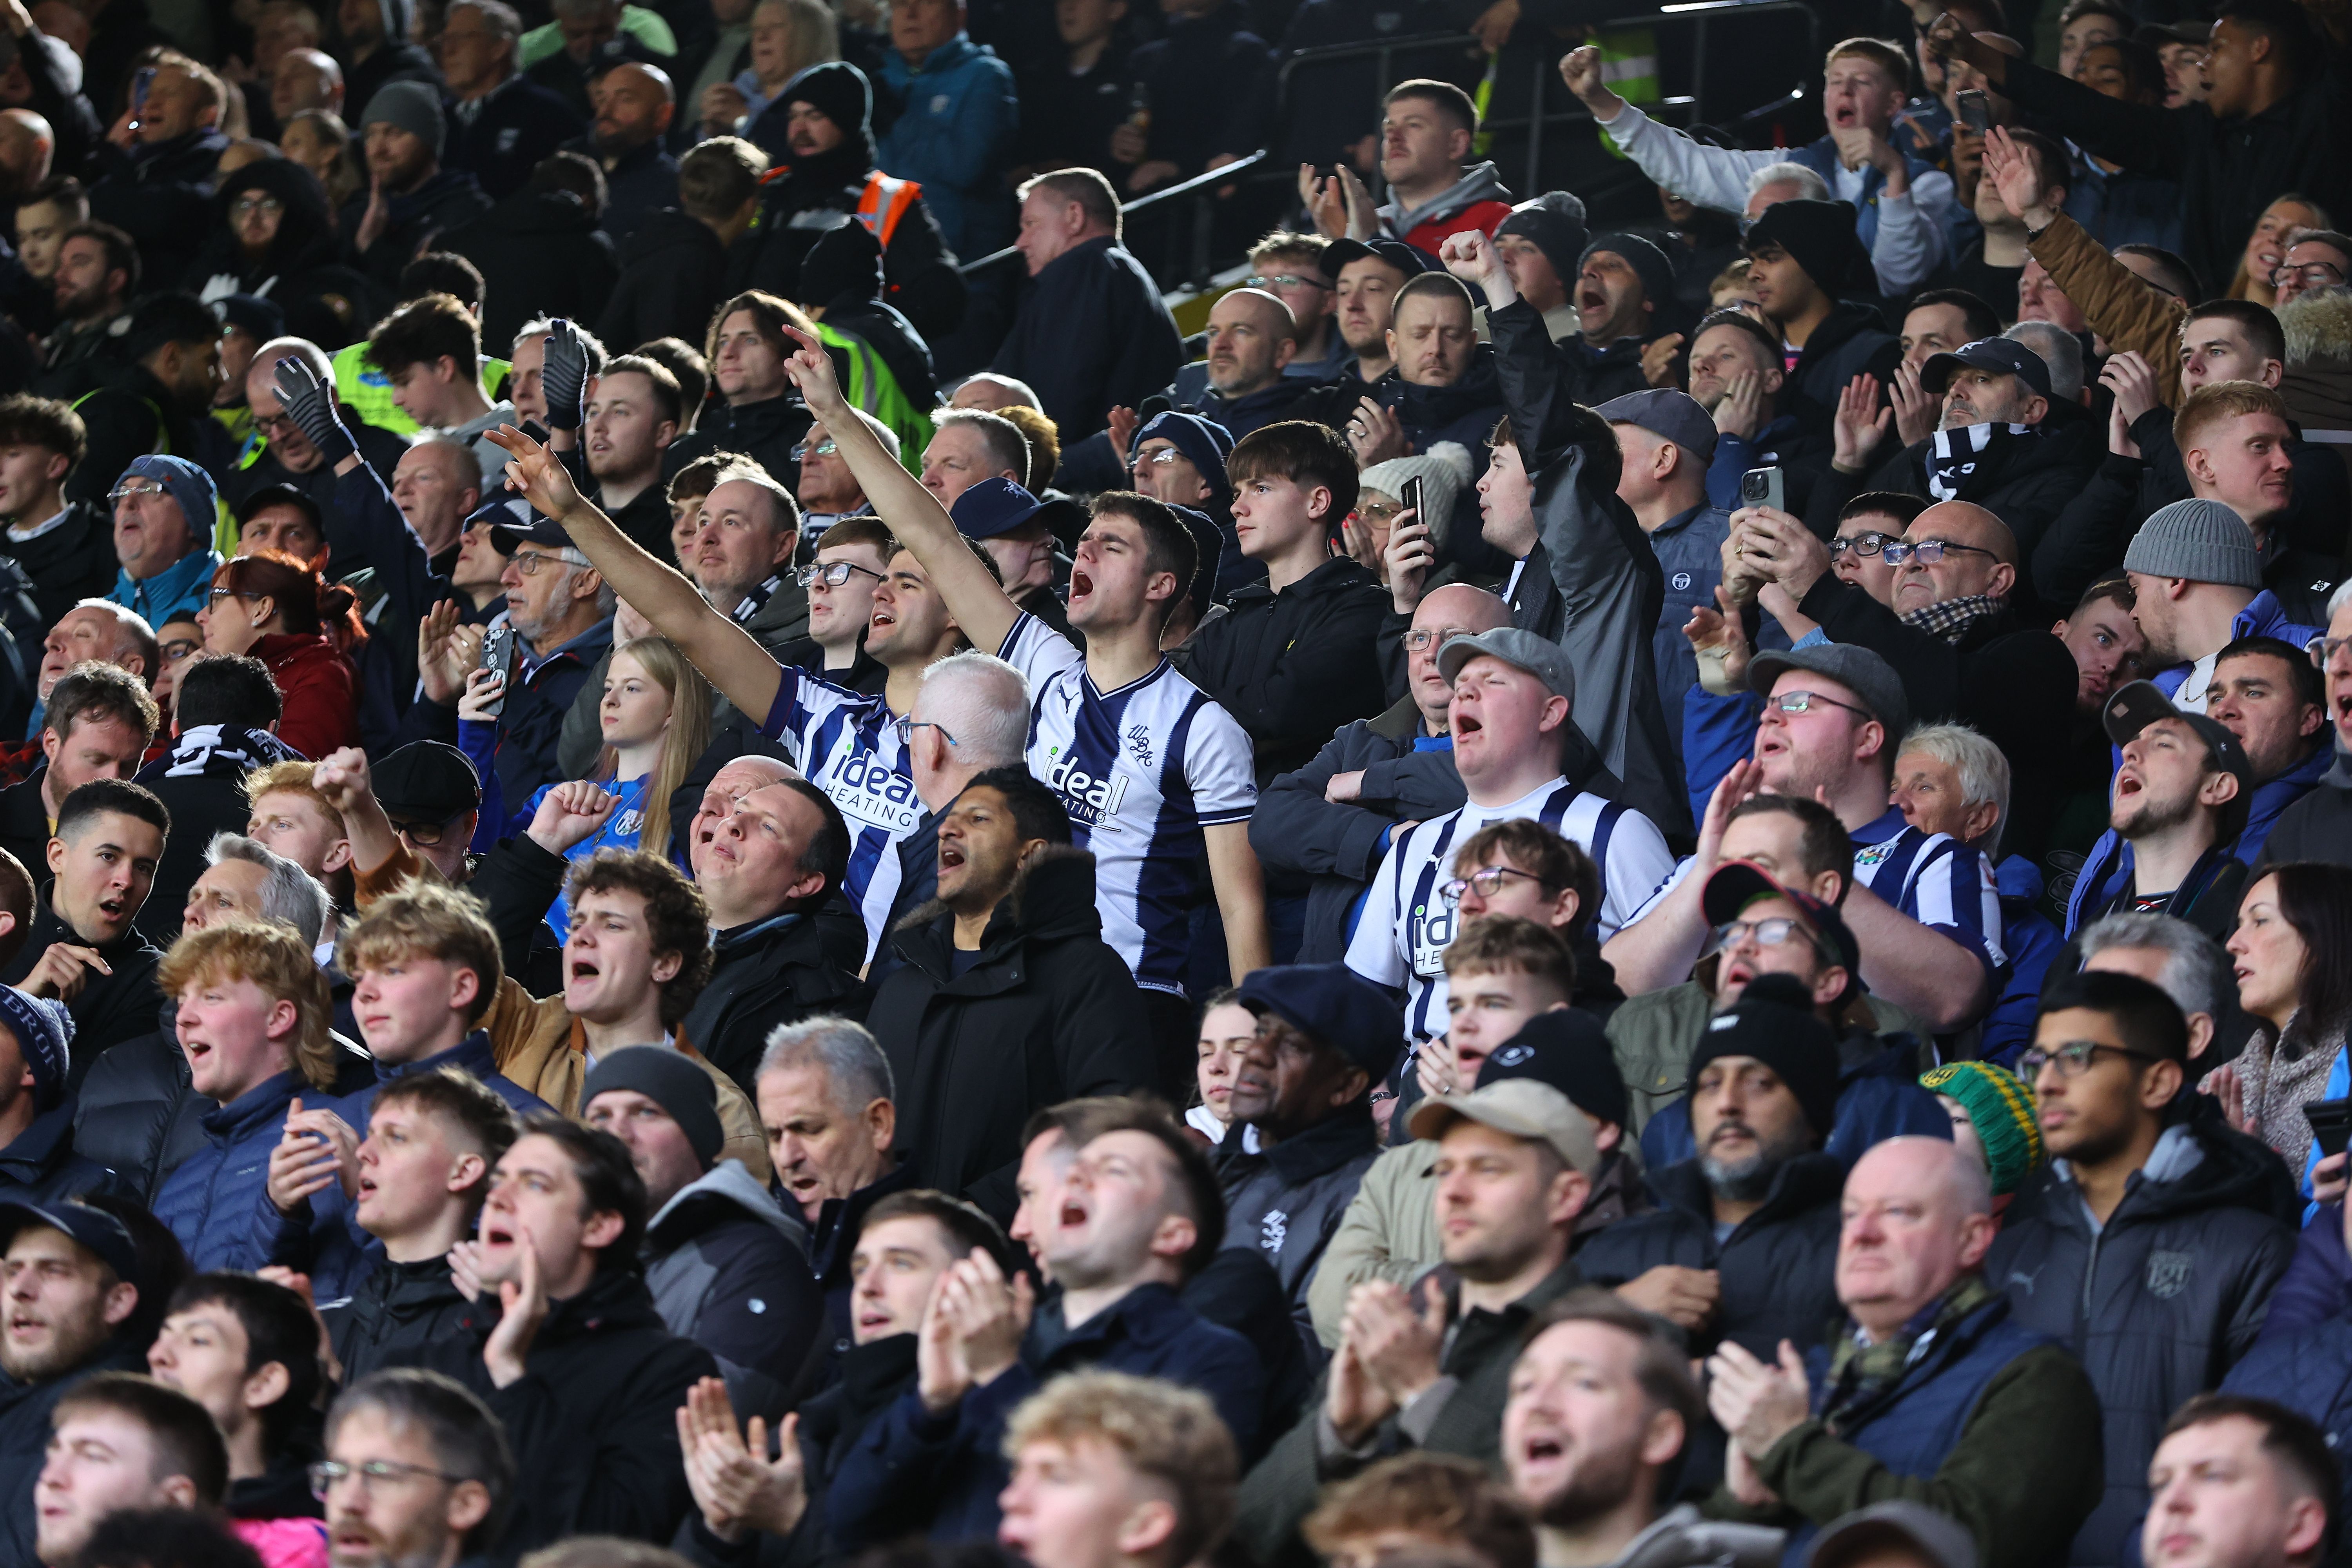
point(225, 751)
point(1953, 455)
point(1860, 1374)
point(1951, 619)
point(756, 600)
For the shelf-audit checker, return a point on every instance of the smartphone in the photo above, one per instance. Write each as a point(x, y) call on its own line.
point(1975, 111)
point(1412, 499)
point(139, 86)
point(498, 653)
point(2331, 1123)
point(1763, 487)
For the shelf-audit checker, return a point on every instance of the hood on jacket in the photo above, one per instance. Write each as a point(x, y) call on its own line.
point(529, 212)
point(2192, 1167)
point(1479, 183)
point(305, 233)
point(726, 1190)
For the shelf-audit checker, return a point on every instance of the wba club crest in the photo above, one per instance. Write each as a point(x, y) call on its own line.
point(2167, 1273)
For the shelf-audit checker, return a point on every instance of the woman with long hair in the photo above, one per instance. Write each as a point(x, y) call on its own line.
point(2266, 247)
point(321, 144)
point(2294, 928)
point(655, 718)
point(279, 610)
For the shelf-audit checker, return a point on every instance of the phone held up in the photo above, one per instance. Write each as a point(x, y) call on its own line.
point(1763, 487)
point(498, 653)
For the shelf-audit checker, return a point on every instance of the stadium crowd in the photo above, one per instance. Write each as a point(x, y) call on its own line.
point(711, 857)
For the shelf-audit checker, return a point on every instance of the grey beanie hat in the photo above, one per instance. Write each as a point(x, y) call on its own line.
point(2200, 540)
point(410, 106)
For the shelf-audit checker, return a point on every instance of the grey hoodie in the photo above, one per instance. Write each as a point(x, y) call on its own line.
point(728, 1270)
point(1479, 183)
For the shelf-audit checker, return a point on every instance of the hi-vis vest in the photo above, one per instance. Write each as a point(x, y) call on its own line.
point(885, 201)
point(873, 388)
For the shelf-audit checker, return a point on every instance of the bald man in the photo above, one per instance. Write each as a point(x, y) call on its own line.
point(305, 78)
point(990, 393)
point(2020, 1469)
point(634, 105)
point(1331, 820)
point(27, 146)
point(436, 485)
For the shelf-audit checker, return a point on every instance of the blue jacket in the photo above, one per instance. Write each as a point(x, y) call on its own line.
point(323, 1238)
point(205, 1201)
point(1690, 551)
point(2304, 1358)
point(2264, 616)
point(907, 1456)
point(952, 136)
point(177, 592)
point(1878, 1099)
point(2031, 940)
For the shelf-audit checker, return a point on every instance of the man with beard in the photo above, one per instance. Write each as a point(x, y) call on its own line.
point(428, 1429)
point(505, 122)
point(2196, 574)
point(96, 273)
point(2178, 803)
point(1602, 1406)
point(633, 104)
point(73, 1285)
point(1430, 1369)
point(410, 197)
point(1740, 1249)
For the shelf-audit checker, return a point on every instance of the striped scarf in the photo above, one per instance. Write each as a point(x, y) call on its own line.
point(1953, 455)
point(1951, 619)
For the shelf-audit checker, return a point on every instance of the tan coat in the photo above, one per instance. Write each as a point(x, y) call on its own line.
point(2116, 302)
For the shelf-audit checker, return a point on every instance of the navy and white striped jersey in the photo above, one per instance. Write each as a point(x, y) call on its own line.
point(848, 746)
point(1400, 940)
point(1142, 770)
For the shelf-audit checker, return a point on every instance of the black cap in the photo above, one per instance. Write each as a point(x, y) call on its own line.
point(427, 781)
point(256, 317)
point(2003, 356)
point(101, 1234)
point(543, 530)
point(1564, 1048)
point(1334, 1006)
point(1395, 252)
point(281, 495)
point(2132, 708)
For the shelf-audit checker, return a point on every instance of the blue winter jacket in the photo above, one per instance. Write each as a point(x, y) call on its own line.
point(2304, 1358)
point(207, 1200)
point(953, 135)
point(2031, 940)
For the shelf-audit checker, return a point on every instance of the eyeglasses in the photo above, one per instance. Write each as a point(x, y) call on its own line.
point(2323, 650)
point(804, 451)
point(2310, 275)
point(128, 488)
point(328, 1473)
point(244, 204)
point(1158, 457)
point(178, 648)
point(832, 574)
point(2073, 1059)
point(905, 729)
point(1869, 543)
point(1487, 879)
point(1285, 280)
point(1770, 932)
point(1429, 641)
point(217, 595)
point(1379, 511)
point(529, 562)
point(275, 424)
point(423, 833)
point(1928, 551)
point(1803, 702)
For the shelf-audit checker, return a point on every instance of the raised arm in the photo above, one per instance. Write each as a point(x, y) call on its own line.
point(725, 652)
point(915, 517)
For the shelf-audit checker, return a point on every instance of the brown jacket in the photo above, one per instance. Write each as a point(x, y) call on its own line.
point(540, 1047)
point(2116, 302)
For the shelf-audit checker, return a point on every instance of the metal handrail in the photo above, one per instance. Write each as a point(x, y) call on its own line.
point(1218, 175)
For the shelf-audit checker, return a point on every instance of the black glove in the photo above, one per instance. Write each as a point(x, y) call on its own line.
point(310, 404)
point(564, 378)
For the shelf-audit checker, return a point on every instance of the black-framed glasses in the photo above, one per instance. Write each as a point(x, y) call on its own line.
point(1273, 280)
point(905, 729)
point(2310, 275)
point(529, 561)
point(179, 648)
point(1865, 545)
point(327, 1474)
point(2324, 649)
point(1487, 879)
point(833, 573)
point(2073, 1059)
point(1803, 702)
point(1928, 551)
point(425, 835)
point(244, 204)
point(1430, 639)
point(804, 450)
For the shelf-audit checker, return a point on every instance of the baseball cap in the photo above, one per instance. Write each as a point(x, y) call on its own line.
point(1668, 415)
point(992, 508)
point(1539, 657)
point(1735, 884)
point(2001, 356)
point(101, 1234)
point(543, 530)
point(2134, 708)
point(1858, 669)
point(1395, 252)
point(1521, 1107)
point(280, 495)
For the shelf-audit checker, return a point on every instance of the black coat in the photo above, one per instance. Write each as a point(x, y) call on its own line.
point(2316, 828)
point(73, 561)
point(1092, 333)
point(1778, 1267)
point(301, 269)
point(673, 269)
point(1291, 666)
point(2158, 1303)
point(1284, 1203)
point(447, 200)
point(111, 1008)
point(517, 126)
point(41, 1167)
point(25, 1412)
point(766, 432)
point(594, 1419)
point(395, 1313)
point(542, 254)
point(816, 195)
point(1049, 1013)
point(777, 971)
point(202, 783)
point(130, 415)
point(1339, 845)
point(728, 1270)
point(160, 195)
point(640, 181)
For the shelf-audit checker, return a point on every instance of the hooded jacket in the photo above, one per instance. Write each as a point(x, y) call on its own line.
point(1092, 334)
point(300, 269)
point(71, 563)
point(1778, 1265)
point(1477, 200)
point(2158, 1302)
point(200, 782)
point(540, 254)
point(1408, 777)
point(673, 274)
point(958, 125)
point(594, 1419)
point(728, 1270)
point(1288, 665)
point(1591, 583)
point(2107, 871)
point(394, 1312)
point(1284, 1201)
point(1851, 340)
point(1048, 1012)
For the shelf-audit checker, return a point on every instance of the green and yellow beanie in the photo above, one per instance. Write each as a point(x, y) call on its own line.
point(2001, 1106)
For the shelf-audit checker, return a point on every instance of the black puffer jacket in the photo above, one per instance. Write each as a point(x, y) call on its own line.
point(1049, 1012)
point(673, 275)
point(765, 431)
point(1778, 1267)
point(1285, 1202)
point(73, 561)
point(2157, 1303)
point(397, 1311)
point(301, 268)
point(540, 254)
point(41, 1166)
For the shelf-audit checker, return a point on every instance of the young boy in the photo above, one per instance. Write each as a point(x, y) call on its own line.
point(290, 815)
